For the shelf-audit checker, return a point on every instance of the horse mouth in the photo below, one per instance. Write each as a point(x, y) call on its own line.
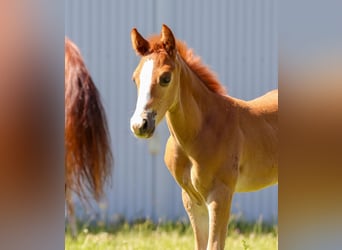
point(146, 134)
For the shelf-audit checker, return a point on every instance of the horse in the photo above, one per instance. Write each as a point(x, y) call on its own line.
point(218, 144)
point(88, 155)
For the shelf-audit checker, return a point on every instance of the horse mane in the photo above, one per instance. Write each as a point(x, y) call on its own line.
point(88, 156)
point(194, 62)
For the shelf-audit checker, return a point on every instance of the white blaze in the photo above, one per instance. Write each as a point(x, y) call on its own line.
point(144, 92)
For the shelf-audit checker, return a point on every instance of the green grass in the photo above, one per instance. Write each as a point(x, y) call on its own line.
point(144, 235)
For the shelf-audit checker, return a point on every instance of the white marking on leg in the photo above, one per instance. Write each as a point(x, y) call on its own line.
point(144, 92)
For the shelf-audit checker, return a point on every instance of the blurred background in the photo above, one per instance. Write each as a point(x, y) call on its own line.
point(237, 39)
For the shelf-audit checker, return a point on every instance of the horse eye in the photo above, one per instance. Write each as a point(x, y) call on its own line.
point(165, 79)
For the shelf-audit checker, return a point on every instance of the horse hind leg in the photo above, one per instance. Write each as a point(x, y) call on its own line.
point(199, 219)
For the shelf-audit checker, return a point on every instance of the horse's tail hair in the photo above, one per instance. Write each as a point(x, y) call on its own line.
point(88, 156)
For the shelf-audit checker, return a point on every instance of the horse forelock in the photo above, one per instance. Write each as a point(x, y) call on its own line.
point(194, 62)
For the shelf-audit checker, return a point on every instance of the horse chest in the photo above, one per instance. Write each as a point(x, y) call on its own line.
point(192, 182)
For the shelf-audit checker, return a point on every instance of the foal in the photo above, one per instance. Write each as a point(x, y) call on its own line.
point(218, 144)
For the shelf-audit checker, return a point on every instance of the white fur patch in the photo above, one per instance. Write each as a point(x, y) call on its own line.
point(144, 92)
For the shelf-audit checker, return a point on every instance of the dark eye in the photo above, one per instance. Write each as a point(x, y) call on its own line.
point(165, 79)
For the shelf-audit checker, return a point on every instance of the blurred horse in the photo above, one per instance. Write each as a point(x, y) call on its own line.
point(88, 157)
point(218, 144)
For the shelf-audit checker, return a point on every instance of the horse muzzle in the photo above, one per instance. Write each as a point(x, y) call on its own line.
point(143, 125)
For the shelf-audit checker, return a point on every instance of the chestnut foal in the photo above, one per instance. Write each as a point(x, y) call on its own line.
point(218, 144)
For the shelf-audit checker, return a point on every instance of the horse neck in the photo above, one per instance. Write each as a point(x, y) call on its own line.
point(185, 118)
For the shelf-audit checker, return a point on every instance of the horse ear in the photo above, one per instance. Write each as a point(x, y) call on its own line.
point(168, 40)
point(139, 44)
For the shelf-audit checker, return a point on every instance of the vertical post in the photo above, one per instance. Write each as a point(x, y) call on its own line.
point(154, 149)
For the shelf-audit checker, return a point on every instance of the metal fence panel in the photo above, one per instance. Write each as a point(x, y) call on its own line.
point(237, 38)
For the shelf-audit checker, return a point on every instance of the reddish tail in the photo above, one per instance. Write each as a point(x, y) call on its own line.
point(88, 157)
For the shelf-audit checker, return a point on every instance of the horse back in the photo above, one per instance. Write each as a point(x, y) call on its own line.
point(265, 104)
point(266, 107)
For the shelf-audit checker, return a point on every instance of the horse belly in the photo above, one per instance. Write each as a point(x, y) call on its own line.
point(254, 178)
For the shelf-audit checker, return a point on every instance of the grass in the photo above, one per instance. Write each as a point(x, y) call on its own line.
point(144, 235)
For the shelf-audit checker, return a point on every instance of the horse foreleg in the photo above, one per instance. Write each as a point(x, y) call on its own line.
point(219, 203)
point(199, 219)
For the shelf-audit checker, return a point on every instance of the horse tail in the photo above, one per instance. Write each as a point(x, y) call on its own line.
point(88, 156)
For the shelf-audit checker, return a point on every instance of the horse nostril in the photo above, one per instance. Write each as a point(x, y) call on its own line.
point(144, 125)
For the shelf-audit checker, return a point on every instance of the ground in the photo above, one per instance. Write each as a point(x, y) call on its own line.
point(176, 236)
